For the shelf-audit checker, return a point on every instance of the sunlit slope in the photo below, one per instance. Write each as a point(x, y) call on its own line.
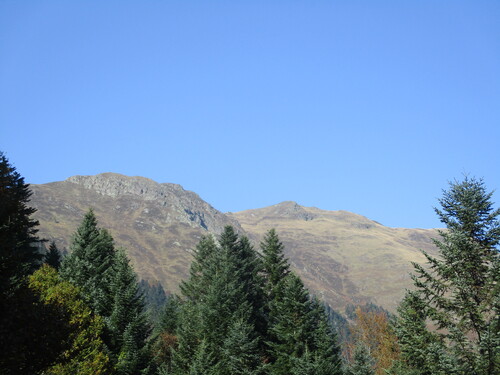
point(158, 224)
point(343, 256)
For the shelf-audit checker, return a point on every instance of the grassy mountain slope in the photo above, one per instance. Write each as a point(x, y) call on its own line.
point(158, 224)
point(343, 256)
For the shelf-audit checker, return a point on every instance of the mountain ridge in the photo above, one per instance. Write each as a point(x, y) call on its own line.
point(335, 252)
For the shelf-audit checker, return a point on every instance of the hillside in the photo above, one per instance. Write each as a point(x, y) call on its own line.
point(158, 224)
point(342, 256)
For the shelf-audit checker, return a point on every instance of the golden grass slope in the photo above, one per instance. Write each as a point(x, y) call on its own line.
point(342, 256)
point(157, 224)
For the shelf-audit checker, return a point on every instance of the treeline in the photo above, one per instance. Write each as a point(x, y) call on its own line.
point(241, 311)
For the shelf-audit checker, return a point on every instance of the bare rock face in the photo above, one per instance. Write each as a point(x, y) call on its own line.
point(158, 224)
point(181, 205)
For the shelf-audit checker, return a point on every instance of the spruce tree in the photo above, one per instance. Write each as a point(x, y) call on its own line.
point(274, 263)
point(53, 256)
point(223, 288)
point(127, 322)
point(90, 264)
point(19, 257)
point(363, 363)
point(459, 291)
point(19, 254)
point(291, 325)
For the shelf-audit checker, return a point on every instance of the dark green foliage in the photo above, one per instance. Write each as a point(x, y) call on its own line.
point(240, 350)
point(338, 323)
point(301, 339)
point(90, 264)
point(109, 285)
point(127, 323)
point(224, 288)
point(362, 363)
point(21, 317)
point(53, 256)
point(154, 299)
point(458, 292)
point(19, 255)
point(274, 264)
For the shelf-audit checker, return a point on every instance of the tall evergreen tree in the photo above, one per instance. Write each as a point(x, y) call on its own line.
point(127, 322)
point(363, 363)
point(301, 339)
point(19, 254)
point(90, 264)
point(19, 257)
point(223, 289)
point(459, 291)
point(109, 285)
point(53, 256)
point(275, 265)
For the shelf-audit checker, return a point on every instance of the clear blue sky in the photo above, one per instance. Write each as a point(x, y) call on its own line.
point(366, 106)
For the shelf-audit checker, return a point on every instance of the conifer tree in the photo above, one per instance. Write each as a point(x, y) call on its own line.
point(19, 257)
point(223, 288)
point(363, 363)
point(53, 256)
point(275, 265)
point(19, 254)
point(127, 322)
point(90, 264)
point(291, 325)
point(459, 291)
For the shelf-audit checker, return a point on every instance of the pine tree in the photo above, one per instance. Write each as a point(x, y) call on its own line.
point(19, 254)
point(275, 265)
point(459, 291)
point(362, 363)
point(90, 264)
point(53, 256)
point(223, 288)
point(291, 324)
point(127, 322)
point(19, 257)
point(240, 350)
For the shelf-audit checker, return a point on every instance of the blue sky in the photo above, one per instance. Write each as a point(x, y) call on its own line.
point(366, 106)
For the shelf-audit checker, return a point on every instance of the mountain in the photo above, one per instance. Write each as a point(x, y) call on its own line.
point(158, 224)
point(342, 256)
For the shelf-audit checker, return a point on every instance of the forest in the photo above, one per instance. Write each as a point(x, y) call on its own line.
point(243, 310)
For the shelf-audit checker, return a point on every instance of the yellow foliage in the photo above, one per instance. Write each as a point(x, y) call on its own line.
point(373, 330)
point(85, 353)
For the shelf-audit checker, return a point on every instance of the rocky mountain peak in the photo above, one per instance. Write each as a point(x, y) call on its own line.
point(290, 210)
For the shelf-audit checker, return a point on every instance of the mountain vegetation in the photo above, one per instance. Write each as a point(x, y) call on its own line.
point(240, 310)
point(345, 258)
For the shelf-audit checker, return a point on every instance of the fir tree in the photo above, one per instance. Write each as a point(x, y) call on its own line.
point(291, 325)
point(19, 257)
point(19, 254)
point(127, 322)
point(90, 264)
point(459, 290)
point(53, 256)
point(223, 288)
point(275, 265)
point(362, 363)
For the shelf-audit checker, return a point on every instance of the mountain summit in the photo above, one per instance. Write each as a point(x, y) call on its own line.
point(158, 224)
point(342, 256)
